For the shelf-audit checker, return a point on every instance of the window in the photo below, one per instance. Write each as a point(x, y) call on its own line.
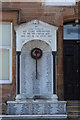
point(71, 31)
point(60, 2)
point(5, 52)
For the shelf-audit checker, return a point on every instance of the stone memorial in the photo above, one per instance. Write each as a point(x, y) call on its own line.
point(36, 45)
point(42, 85)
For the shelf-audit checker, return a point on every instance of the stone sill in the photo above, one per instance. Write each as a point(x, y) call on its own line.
point(36, 101)
point(34, 116)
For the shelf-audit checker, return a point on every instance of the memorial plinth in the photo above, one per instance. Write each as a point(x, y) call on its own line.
point(36, 48)
point(37, 107)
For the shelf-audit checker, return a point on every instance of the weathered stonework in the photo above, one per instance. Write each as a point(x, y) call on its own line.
point(43, 85)
point(37, 107)
point(36, 30)
point(36, 95)
point(27, 12)
point(36, 34)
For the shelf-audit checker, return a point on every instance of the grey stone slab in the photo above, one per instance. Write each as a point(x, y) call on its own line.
point(33, 117)
point(36, 108)
point(43, 85)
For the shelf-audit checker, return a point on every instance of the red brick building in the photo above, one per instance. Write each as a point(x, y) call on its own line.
point(68, 47)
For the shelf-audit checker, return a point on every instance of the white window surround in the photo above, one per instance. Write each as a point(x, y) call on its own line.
point(59, 2)
point(8, 81)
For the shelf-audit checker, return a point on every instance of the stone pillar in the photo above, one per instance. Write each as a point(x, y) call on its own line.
point(18, 75)
point(54, 73)
point(18, 72)
point(55, 97)
point(18, 96)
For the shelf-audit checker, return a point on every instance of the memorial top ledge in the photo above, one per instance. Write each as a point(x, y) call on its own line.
point(35, 22)
point(36, 30)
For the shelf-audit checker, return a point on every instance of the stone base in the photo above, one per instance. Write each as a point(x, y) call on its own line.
point(33, 117)
point(36, 107)
point(22, 97)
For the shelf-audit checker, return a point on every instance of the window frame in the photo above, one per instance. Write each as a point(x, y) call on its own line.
point(8, 81)
point(59, 3)
point(73, 27)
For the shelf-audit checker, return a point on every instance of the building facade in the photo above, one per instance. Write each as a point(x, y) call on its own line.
point(67, 67)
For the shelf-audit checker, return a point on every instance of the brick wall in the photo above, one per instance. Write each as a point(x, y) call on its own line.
point(24, 12)
point(9, 90)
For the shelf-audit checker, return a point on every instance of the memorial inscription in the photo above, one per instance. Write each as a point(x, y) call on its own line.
point(36, 32)
point(27, 32)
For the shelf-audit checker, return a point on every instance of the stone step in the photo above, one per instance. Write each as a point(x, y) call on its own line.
point(73, 109)
point(33, 117)
point(73, 117)
point(73, 103)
